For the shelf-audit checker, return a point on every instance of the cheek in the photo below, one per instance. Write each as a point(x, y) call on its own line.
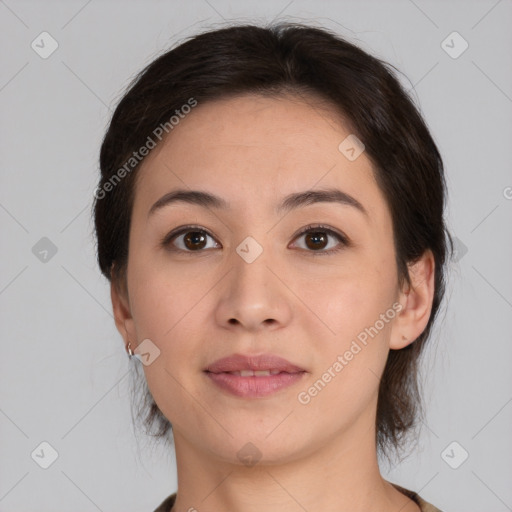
point(164, 302)
point(349, 298)
point(165, 307)
point(357, 307)
point(351, 358)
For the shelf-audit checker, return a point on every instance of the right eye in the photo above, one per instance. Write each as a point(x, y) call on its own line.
point(187, 239)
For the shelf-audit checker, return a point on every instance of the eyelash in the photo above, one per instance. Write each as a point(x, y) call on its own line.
point(344, 242)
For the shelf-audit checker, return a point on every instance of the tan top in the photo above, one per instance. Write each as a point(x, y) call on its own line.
point(167, 504)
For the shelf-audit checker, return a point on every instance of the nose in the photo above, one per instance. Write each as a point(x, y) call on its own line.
point(253, 296)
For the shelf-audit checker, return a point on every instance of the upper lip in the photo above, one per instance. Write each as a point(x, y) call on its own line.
point(238, 362)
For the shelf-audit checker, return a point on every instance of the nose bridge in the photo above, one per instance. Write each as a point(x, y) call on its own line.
point(252, 295)
point(251, 259)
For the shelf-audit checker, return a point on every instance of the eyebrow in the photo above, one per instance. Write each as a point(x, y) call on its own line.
point(290, 202)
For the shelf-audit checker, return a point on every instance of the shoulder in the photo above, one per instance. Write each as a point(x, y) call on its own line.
point(166, 505)
point(424, 506)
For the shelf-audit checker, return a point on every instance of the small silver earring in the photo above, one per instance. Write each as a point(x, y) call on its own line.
point(130, 351)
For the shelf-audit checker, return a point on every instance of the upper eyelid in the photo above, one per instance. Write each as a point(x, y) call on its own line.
point(320, 228)
point(185, 229)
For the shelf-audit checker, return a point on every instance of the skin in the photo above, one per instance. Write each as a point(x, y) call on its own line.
point(197, 307)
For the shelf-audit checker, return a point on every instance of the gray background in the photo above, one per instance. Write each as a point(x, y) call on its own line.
point(64, 373)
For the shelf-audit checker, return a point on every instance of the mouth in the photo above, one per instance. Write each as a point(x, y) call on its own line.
point(253, 376)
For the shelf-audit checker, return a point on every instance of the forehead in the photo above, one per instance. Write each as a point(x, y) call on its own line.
point(253, 148)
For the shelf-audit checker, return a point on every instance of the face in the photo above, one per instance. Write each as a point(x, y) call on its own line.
point(253, 277)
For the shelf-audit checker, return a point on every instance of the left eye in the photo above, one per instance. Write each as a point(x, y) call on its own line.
point(317, 239)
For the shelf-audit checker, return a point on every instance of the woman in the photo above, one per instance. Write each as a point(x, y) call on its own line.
point(270, 216)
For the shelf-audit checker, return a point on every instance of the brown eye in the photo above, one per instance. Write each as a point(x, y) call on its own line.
point(317, 239)
point(194, 240)
point(188, 240)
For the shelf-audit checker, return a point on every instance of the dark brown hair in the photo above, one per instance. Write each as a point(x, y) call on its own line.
point(313, 63)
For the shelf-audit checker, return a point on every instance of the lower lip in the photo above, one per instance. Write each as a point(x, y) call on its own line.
point(254, 387)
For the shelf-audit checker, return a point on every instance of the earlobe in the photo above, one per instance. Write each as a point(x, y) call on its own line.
point(417, 303)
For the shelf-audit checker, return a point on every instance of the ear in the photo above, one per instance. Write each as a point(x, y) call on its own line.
point(416, 301)
point(122, 312)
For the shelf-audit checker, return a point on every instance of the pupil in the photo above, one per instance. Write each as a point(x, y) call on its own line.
point(316, 237)
point(194, 237)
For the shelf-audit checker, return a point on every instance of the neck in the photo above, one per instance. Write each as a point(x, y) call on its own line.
point(341, 476)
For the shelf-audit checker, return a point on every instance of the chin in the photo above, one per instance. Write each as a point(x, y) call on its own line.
point(255, 450)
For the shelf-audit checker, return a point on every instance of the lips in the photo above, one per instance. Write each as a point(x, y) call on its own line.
point(253, 376)
point(238, 363)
